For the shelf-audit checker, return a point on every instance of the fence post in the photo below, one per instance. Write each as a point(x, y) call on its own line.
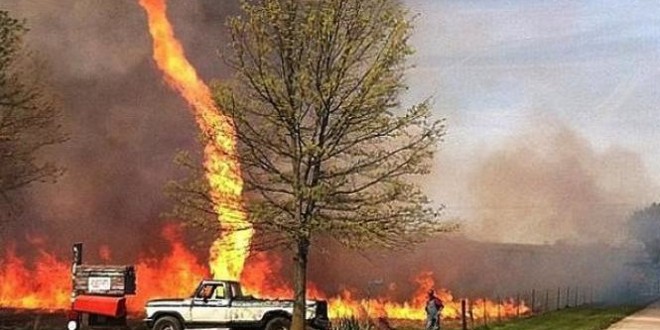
point(471, 314)
point(577, 290)
point(546, 307)
point(463, 316)
point(518, 305)
point(485, 313)
point(558, 298)
point(533, 301)
point(568, 296)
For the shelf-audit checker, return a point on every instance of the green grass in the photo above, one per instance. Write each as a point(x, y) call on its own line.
point(581, 318)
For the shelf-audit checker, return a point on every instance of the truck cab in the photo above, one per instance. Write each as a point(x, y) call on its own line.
point(221, 303)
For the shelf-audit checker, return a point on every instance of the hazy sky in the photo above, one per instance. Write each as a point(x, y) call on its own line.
point(495, 68)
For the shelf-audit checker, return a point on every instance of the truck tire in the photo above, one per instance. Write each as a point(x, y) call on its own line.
point(167, 323)
point(278, 323)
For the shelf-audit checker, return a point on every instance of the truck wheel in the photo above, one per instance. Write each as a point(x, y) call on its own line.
point(278, 323)
point(167, 323)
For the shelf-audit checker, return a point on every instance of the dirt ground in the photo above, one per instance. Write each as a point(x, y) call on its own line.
point(11, 319)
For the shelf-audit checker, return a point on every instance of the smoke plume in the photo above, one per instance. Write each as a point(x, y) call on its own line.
point(548, 184)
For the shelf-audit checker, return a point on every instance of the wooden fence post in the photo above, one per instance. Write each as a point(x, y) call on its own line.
point(463, 316)
point(533, 301)
point(485, 313)
point(558, 298)
point(471, 306)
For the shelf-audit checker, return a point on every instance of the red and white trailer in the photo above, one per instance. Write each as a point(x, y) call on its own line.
point(98, 295)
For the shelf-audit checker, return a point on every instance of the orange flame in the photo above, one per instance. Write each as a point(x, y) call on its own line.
point(173, 275)
point(345, 305)
point(262, 278)
point(47, 285)
point(260, 275)
point(229, 252)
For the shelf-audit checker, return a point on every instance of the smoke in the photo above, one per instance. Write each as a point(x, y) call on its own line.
point(543, 209)
point(547, 184)
point(125, 125)
point(472, 268)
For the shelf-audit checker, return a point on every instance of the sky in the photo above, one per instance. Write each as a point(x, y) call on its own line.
point(490, 65)
point(550, 109)
point(497, 68)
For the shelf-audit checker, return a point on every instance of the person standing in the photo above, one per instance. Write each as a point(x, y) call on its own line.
point(434, 308)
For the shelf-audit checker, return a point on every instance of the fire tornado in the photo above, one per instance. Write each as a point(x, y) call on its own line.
point(228, 253)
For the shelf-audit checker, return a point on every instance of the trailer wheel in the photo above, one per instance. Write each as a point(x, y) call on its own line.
point(167, 323)
point(278, 323)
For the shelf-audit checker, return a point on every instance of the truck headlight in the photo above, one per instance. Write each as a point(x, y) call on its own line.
point(72, 325)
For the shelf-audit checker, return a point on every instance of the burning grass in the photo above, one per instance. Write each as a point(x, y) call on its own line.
point(45, 284)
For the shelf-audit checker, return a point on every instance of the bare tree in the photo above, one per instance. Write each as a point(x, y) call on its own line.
point(326, 148)
point(644, 225)
point(29, 121)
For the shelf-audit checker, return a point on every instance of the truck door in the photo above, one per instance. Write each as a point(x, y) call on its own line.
point(211, 305)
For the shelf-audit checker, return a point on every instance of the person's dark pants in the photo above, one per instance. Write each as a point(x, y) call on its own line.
point(433, 323)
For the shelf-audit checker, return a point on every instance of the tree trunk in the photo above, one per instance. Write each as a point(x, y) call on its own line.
point(300, 286)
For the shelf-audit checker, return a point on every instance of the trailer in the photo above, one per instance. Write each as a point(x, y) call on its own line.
point(98, 295)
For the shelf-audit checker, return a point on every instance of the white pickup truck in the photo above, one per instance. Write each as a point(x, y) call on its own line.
point(221, 304)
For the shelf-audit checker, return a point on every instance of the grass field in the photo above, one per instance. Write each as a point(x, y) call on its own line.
point(581, 318)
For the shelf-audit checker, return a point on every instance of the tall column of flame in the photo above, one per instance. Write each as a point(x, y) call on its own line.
point(229, 252)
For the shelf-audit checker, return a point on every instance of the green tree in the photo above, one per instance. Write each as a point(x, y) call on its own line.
point(326, 148)
point(28, 118)
point(644, 226)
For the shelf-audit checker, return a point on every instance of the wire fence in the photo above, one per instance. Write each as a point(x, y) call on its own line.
point(481, 312)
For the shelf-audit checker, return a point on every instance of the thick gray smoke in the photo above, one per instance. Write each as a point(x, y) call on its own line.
point(548, 184)
point(125, 124)
point(477, 269)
